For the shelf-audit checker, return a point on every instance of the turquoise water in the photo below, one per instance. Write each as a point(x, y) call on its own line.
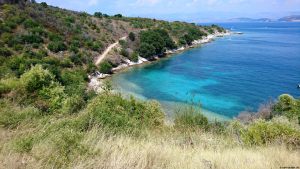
point(230, 75)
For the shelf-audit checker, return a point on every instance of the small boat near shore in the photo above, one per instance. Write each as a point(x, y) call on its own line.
point(238, 33)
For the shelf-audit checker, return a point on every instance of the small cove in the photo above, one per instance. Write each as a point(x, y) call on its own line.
point(227, 76)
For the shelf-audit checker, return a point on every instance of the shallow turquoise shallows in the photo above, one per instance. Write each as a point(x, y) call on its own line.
point(230, 75)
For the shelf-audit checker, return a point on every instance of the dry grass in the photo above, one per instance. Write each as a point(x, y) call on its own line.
point(165, 150)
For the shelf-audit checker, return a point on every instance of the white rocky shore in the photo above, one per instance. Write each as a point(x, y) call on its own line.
point(95, 78)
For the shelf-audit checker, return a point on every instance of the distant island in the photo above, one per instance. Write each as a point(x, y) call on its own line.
point(291, 18)
point(250, 20)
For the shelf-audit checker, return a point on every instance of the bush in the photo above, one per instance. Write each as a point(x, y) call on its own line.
point(36, 78)
point(146, 50)
point(55, 37)
point(158, 38)
point(57, 46)
point(132, 36)
point(44, 4)
point(17, 64)
point(117, 114)
point(5, 52)
point(73, 104)
point(123, 43)
point(98, 14)
point(134, 57)
point(96, 46)
point(124, 53)
point(190, 118)
point(263, 132)
point(74, 81)
point(29, 23)
point(288, 106)
point(39, 31)
point(31, 38)
point(118, 16)
point(51, 98)
point(105, 67)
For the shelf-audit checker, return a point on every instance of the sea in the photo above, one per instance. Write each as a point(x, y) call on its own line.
point(232, 74)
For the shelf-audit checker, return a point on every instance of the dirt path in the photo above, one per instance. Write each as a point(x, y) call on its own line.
point(107, 50)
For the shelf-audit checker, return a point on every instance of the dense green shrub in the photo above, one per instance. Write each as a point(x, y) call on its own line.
point(17, 65)
point(36, 78)
point(98, 14)
point(74, 81)
point(146, 50)
point(73, 104)
point(50, 98)
point(5, 52)
point(31, 38)
point(55, 37)
point(158, 39)
point(44, 4)
point(57, 46)
point(29, 23)
point(132, 36)
point(123, 43)
point(134, 57)
point(69, 19)
point(288, 106)
point(263, 132)
point(105, 67)
point(190, 118)
point(39, 31)
point(96, 46)
point(117, 114)
point(118, 16)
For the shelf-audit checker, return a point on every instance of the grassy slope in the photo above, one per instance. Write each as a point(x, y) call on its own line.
point(107, 131)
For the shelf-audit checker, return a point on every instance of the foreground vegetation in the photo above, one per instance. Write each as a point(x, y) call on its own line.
point(49, 119)
point(43, 127)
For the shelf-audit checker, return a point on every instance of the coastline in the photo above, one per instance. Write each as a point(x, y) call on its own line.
point(169, 53)
point(96, 80)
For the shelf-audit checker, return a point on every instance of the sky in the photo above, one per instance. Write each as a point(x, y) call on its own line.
point(187, 10)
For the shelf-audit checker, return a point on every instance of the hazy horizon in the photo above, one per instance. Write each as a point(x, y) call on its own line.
point(186, 10)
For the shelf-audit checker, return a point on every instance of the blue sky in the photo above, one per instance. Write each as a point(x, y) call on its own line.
point(189, 10)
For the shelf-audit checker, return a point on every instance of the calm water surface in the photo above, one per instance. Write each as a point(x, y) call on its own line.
point(230, 75)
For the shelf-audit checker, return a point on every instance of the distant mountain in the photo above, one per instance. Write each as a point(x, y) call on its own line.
point(292, 18)
point(250, 20)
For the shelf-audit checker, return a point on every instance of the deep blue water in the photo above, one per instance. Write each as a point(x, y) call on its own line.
point(230, 75)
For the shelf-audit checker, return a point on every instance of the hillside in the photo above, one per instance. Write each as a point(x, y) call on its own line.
point(49, 118)
point(74, 39)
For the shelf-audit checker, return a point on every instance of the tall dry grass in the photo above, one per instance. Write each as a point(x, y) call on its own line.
point(165, 150)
